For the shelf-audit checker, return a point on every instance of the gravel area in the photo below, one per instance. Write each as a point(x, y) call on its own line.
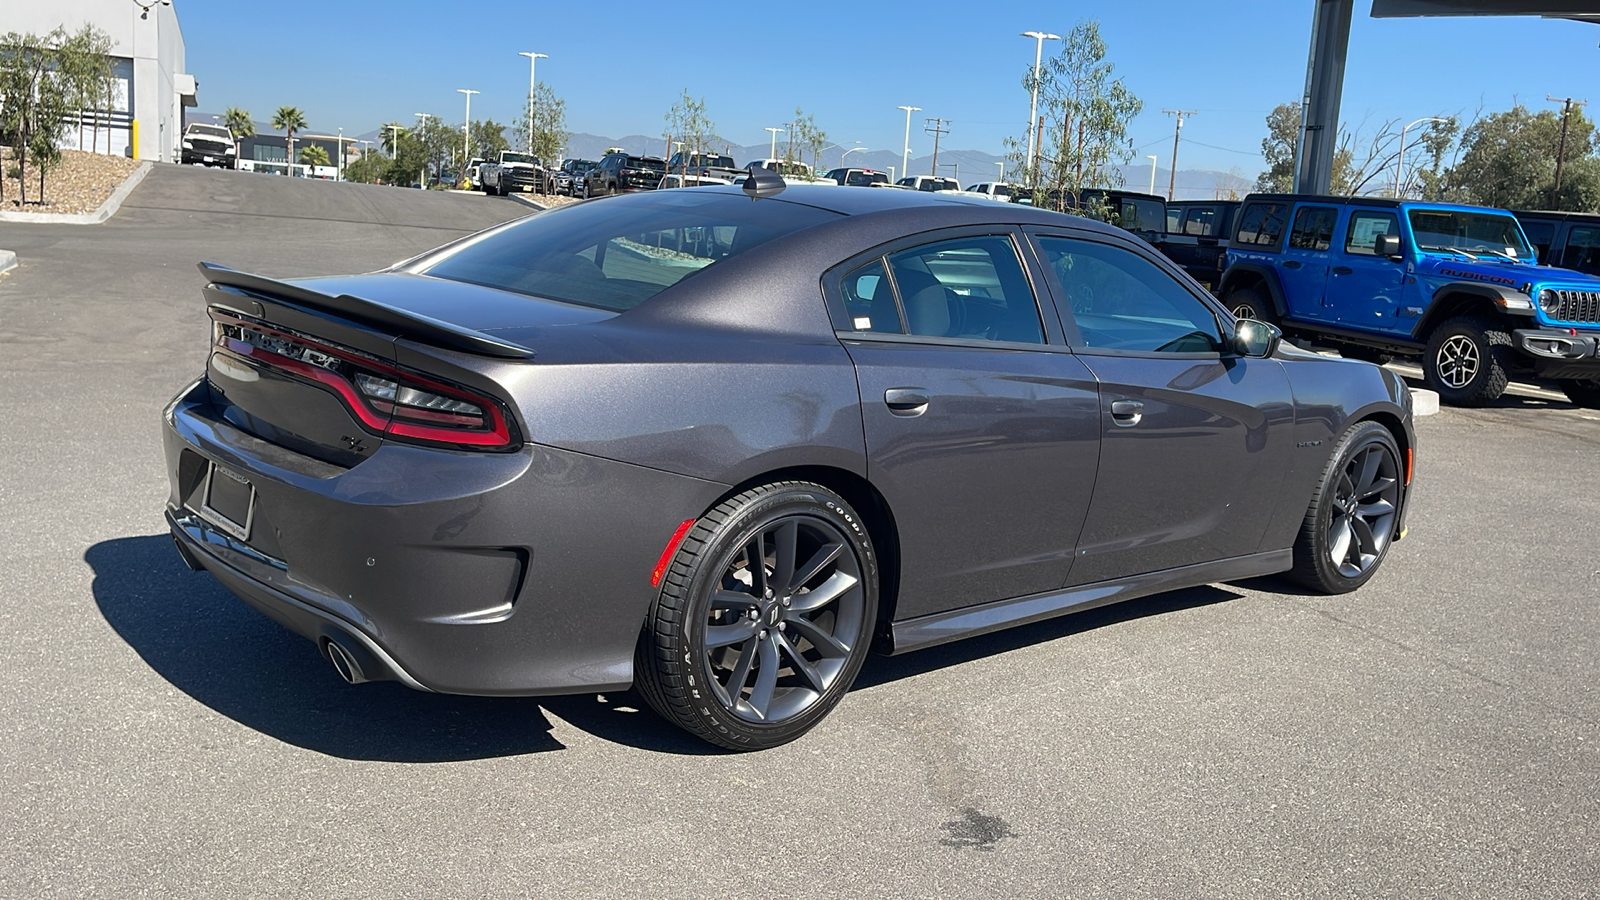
point(80, 184)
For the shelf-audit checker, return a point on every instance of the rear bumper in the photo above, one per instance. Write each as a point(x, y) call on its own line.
point(455, 572)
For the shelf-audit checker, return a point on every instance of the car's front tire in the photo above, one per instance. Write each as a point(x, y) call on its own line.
point(765, 616)
point(1468, 361)
point(1354, 514)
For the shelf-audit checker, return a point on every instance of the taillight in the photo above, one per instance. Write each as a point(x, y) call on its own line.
point(384, 398)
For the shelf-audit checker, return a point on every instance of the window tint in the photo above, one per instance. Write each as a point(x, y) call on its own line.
point(1541, 235)
point(1261, 224)
point(1174, 220)
point(869, 300)
point(591, 256)
point(1202, 221)
point(1142, 215)
point(1313, 228)
point(1122, 301)
point(1365, 228)
point(1583, 251)
point(971, 287)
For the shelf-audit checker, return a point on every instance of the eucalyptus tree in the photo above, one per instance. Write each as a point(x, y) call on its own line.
point(544, 117)
point(34, 105)
point(687, 122)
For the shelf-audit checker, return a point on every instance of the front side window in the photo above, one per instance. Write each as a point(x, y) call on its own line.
point(1122, 301)
point(968, 287)
point(1261, 224)
point(1583, 251)
point(1313, 228)
point(1366, 227)
point(1202, 221)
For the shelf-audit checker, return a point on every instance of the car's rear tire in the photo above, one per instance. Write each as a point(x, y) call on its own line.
point(750, 648)
point(1247, 303)
point(1468, 361)
point(1583, 392)
point(1354, 513)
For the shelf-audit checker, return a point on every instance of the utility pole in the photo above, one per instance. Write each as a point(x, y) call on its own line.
point(1567, 103)
point(936, 127)
point(1172, 182)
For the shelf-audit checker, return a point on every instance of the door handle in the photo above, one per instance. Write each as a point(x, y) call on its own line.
point(906, 401)
point(1342, 270)
point(1291, 264)
point(1126, 413)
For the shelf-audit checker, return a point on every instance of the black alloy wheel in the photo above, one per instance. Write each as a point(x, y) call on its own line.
point(1247, 303)
point(764, 617)
point(1354, 513)
point(1468, 361)
point(1583, 392)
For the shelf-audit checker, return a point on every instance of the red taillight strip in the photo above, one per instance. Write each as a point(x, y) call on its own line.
point(666, 554)
point(497, 435)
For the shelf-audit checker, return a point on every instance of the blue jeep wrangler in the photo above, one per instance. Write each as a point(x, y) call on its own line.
point(1457, 286)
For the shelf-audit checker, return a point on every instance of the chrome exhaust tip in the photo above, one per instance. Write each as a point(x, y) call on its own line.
point(344, 662)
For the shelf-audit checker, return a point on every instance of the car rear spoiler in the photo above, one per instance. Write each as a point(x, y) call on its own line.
point(371, 313)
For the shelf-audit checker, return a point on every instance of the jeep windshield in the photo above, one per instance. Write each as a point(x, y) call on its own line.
point(209, 131)
point(1471, 234)
point(509, 157)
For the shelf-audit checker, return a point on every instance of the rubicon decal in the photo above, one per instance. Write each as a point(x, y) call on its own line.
point(1477, 276)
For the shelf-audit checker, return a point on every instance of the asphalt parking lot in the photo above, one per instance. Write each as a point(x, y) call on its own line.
point(1436, 734)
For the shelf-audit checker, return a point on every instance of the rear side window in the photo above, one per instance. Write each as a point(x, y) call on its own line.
point(1365, 229)
point(1122, 301)
point(970, 287)
point(1174, 220)
point(1583, 251)
point(592, 256)
point(1313, 228)
point(1261, 224)
point(1202, 221)
point(1541, 235)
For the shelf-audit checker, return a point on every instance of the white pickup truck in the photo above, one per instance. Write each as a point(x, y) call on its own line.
point(209, 145)
point(513, 171)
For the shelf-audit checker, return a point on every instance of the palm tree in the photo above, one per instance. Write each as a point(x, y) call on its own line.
point(290, 119)
point(313, 155)
point(239, 123)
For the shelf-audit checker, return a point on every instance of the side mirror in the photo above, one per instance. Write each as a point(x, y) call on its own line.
point(1388, 245)
point(1254, 339)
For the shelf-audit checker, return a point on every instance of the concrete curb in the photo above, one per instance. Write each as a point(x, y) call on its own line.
point(8, 261)
point(106, 210)
point(1424, 402)
point(522, 198)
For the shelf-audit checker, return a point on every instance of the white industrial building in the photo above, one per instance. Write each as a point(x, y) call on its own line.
point(146, 118)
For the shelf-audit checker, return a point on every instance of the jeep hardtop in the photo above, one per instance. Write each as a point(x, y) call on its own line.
point(1457, 286)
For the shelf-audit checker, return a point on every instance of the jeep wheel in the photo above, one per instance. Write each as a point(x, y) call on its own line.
point(1467, 361)
point(1247, 303)
point(1583, 392)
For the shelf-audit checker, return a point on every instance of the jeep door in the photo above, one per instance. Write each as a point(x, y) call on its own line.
point(1303, 267)
point(982, 427)
point(1365, 290)
point(1195, 440)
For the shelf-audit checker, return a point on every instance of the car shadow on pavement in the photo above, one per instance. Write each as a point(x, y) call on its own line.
point(224, 654)
point(884, 669)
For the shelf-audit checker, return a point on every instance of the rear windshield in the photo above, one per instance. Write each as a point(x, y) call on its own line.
point(646, 162)
point(865, 179)
point(615, 256)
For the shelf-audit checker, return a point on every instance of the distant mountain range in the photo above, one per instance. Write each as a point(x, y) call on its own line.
point(968, 166)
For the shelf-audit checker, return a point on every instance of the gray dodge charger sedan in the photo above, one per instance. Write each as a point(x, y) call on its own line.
point(718, 443)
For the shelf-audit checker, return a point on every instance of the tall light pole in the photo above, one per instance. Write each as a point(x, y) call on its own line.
point(773, 153)
point(394, 140)
point(466, 130)
point(1400, 160)
point(848, 152)
point(1002, 165)
point(533, 60)
point(905, 152)
point(338, 173)
point(1152, 158)
point(1039, 38)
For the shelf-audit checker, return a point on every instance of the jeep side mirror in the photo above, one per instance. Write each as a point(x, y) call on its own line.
point(1254, 339)
point(1387, 245)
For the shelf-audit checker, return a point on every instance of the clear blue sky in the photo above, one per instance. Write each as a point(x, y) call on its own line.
point(357, 64)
